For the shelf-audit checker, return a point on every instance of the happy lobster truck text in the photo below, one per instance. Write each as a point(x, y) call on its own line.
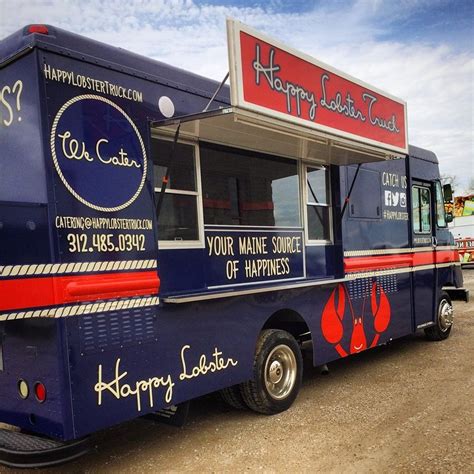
point(164, 236)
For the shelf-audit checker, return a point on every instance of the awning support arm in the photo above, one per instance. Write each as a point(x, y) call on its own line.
point(165, 179)
point(346, 200)
point(221, 85)
point(169, 165)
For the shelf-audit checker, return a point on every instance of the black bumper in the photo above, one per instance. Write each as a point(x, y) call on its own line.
point(30, 451)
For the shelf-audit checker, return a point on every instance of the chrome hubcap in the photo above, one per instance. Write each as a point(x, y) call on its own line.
point(445, 315)
point(275, 373)
point(280, 372)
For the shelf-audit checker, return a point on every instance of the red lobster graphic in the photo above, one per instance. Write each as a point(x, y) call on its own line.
point(333, 314)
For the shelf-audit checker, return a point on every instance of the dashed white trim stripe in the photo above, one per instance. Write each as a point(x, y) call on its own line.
point(81, 267)
point(389, 271)
point(83, 308)
point(366, 253)
point(448, 264)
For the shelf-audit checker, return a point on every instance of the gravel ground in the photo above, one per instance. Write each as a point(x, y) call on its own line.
point(407, 406)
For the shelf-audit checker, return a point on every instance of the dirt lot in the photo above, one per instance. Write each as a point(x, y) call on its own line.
point(404, 407)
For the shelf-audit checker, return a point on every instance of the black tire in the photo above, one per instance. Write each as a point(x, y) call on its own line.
point(232, 397)
point(277, 373)
point(444, 319)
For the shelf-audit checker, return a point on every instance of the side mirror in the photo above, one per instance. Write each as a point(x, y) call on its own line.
point(449, 217)
point(448, 193)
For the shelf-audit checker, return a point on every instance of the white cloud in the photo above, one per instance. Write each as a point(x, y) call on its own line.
point(435, 80)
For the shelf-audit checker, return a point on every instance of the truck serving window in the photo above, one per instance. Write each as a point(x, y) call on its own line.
point(318, 204)
point(246, 188)
point(178, 220)
point(440, 215)
point(421, 210)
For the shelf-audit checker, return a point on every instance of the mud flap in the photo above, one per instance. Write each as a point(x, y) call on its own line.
point(23, 450)
point(460, 294)
point(175, 415)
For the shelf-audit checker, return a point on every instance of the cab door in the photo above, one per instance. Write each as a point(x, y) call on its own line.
point(424, 248)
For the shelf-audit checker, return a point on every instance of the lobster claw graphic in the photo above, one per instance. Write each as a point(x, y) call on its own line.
point(333, 314)
point(380, 311)
point(331, 320)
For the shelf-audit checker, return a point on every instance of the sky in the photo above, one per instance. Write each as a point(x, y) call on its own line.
point(419, 50)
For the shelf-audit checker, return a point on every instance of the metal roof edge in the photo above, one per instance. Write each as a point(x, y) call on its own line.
point(93, 51)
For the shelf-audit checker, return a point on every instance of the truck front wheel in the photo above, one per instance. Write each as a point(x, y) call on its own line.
point(277, 373)
point(444, 319)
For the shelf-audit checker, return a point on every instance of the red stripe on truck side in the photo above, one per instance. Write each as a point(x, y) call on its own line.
point(357, 264)
point(22, 293)
point(447, 256)
point(408, 260)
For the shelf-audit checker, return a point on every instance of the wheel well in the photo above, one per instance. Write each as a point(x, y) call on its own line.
point(289, 321)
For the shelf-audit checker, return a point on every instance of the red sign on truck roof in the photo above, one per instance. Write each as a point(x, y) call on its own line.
point(275, 80)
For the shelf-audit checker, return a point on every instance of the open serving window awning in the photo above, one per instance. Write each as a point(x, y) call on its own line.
point(241, 128)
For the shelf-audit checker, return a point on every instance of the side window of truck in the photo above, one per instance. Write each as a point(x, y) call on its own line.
point(244, 188)
point(318, 204)
point(178, 221)
point(421, 198)
point(440, 213)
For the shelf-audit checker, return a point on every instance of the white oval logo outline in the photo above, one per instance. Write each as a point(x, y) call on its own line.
point(58, 168)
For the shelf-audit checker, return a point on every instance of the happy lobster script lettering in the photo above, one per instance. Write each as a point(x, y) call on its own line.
point(120, 386)
point(339, 103)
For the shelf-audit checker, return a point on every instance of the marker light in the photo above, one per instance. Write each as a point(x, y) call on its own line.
point(23, 389)
point(42, 29)
point(40, 392)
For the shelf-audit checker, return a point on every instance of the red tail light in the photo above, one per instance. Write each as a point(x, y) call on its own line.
point(42, 29)
point(40, 392)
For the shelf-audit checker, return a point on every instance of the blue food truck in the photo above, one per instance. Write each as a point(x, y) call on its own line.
point(164, 236)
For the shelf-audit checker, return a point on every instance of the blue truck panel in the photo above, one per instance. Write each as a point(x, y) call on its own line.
point(115, 322)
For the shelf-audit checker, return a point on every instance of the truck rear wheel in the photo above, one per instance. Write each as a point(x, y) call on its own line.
point(233, 397)
point(277, 373)
point(444, 319)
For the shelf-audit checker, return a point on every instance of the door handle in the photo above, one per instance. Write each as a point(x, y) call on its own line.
point(434, 241)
